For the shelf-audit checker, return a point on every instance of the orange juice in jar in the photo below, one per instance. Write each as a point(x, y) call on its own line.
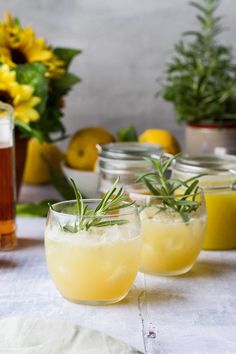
point(220, 195)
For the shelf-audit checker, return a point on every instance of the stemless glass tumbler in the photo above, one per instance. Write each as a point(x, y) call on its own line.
point(95, 266)
point(171, 244)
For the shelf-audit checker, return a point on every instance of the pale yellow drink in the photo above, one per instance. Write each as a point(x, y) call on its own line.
point(94, 266)
point(98, 269)
point(219, 186)
point(171, 246)
point(221, 219)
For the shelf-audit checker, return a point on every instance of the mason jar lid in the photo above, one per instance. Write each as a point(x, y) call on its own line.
point(128, 151)
point(209, 164)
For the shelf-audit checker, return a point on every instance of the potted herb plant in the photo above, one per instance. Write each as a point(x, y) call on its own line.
point(34, 79)
point(201, 84)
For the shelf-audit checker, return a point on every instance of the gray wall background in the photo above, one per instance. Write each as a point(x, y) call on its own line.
point(125, 44)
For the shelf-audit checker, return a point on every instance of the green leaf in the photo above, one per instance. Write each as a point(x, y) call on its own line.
point(185, 216)
point(118, 207)
point(191, 188)
point(50, 122)
point(128, 133)
point(107, 195)
point(66, 54)
point(33, 209)
point(59, 181)
point(193, 33)
point(69, 228)
point(79, 200)
point(33, 74)
point(153, 190)
point(28, 132)
point(65, 82)
point(198, 6)
point(17, 22)
point(186, 203)
point(147, 174)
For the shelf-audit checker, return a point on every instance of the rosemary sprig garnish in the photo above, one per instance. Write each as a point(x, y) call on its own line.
point(112, 201)
point(177, 195)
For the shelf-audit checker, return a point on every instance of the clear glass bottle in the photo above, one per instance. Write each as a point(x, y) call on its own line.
point(7, 179)
point(95, 266)
point(125, 160)
point(219, 186)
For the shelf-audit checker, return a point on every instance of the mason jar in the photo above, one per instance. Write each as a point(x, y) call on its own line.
point(126, 160)
point(219, 186)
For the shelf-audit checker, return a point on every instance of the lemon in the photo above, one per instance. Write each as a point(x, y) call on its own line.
point(36, 170)
point(82, 152)
point(161, 137)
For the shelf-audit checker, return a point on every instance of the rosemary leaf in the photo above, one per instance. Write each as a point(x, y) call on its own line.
point(174, 194)
point(78, 198)
point(113, 200)
point(191, 188)
point(150, 186)
point(69, 228)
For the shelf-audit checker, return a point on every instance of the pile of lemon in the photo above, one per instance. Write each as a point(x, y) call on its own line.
point(82, 152)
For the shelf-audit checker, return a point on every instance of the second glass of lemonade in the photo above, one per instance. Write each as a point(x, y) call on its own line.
point(97, 266)
point(171, 244)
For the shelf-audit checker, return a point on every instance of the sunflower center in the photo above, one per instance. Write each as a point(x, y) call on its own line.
point(18, 57)
point(5, 97)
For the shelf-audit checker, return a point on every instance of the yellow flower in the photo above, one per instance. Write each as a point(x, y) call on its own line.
point(19, 96)
point(19, 46)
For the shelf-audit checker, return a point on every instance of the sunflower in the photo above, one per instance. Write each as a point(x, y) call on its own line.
point(20, 46)
point(19, 96)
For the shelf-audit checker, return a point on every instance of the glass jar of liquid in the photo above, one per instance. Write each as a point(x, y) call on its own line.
point(7, 179)
point(219, 187)
point(126, 160)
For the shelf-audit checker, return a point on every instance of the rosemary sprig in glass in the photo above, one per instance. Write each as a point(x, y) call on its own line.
point(177, 195)
point(112, 202)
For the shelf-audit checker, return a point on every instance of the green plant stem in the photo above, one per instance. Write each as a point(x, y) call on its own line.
point(166, 189)
point(113, 200)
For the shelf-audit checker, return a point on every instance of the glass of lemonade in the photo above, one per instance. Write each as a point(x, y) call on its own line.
point(95, 266)
point(171, 244)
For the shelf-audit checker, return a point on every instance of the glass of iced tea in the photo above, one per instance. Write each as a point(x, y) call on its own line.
point(7, 179)
point(93, 258)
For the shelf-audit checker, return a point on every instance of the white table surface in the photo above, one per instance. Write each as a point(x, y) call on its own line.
point(190, 314)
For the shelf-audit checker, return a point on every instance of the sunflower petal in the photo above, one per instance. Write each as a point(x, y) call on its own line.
point(21, 96)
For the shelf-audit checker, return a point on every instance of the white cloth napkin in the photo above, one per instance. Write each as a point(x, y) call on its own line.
point(37, 336)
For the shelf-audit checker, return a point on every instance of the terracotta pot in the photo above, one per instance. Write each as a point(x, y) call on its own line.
point(20, 158)
point(210, 138)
